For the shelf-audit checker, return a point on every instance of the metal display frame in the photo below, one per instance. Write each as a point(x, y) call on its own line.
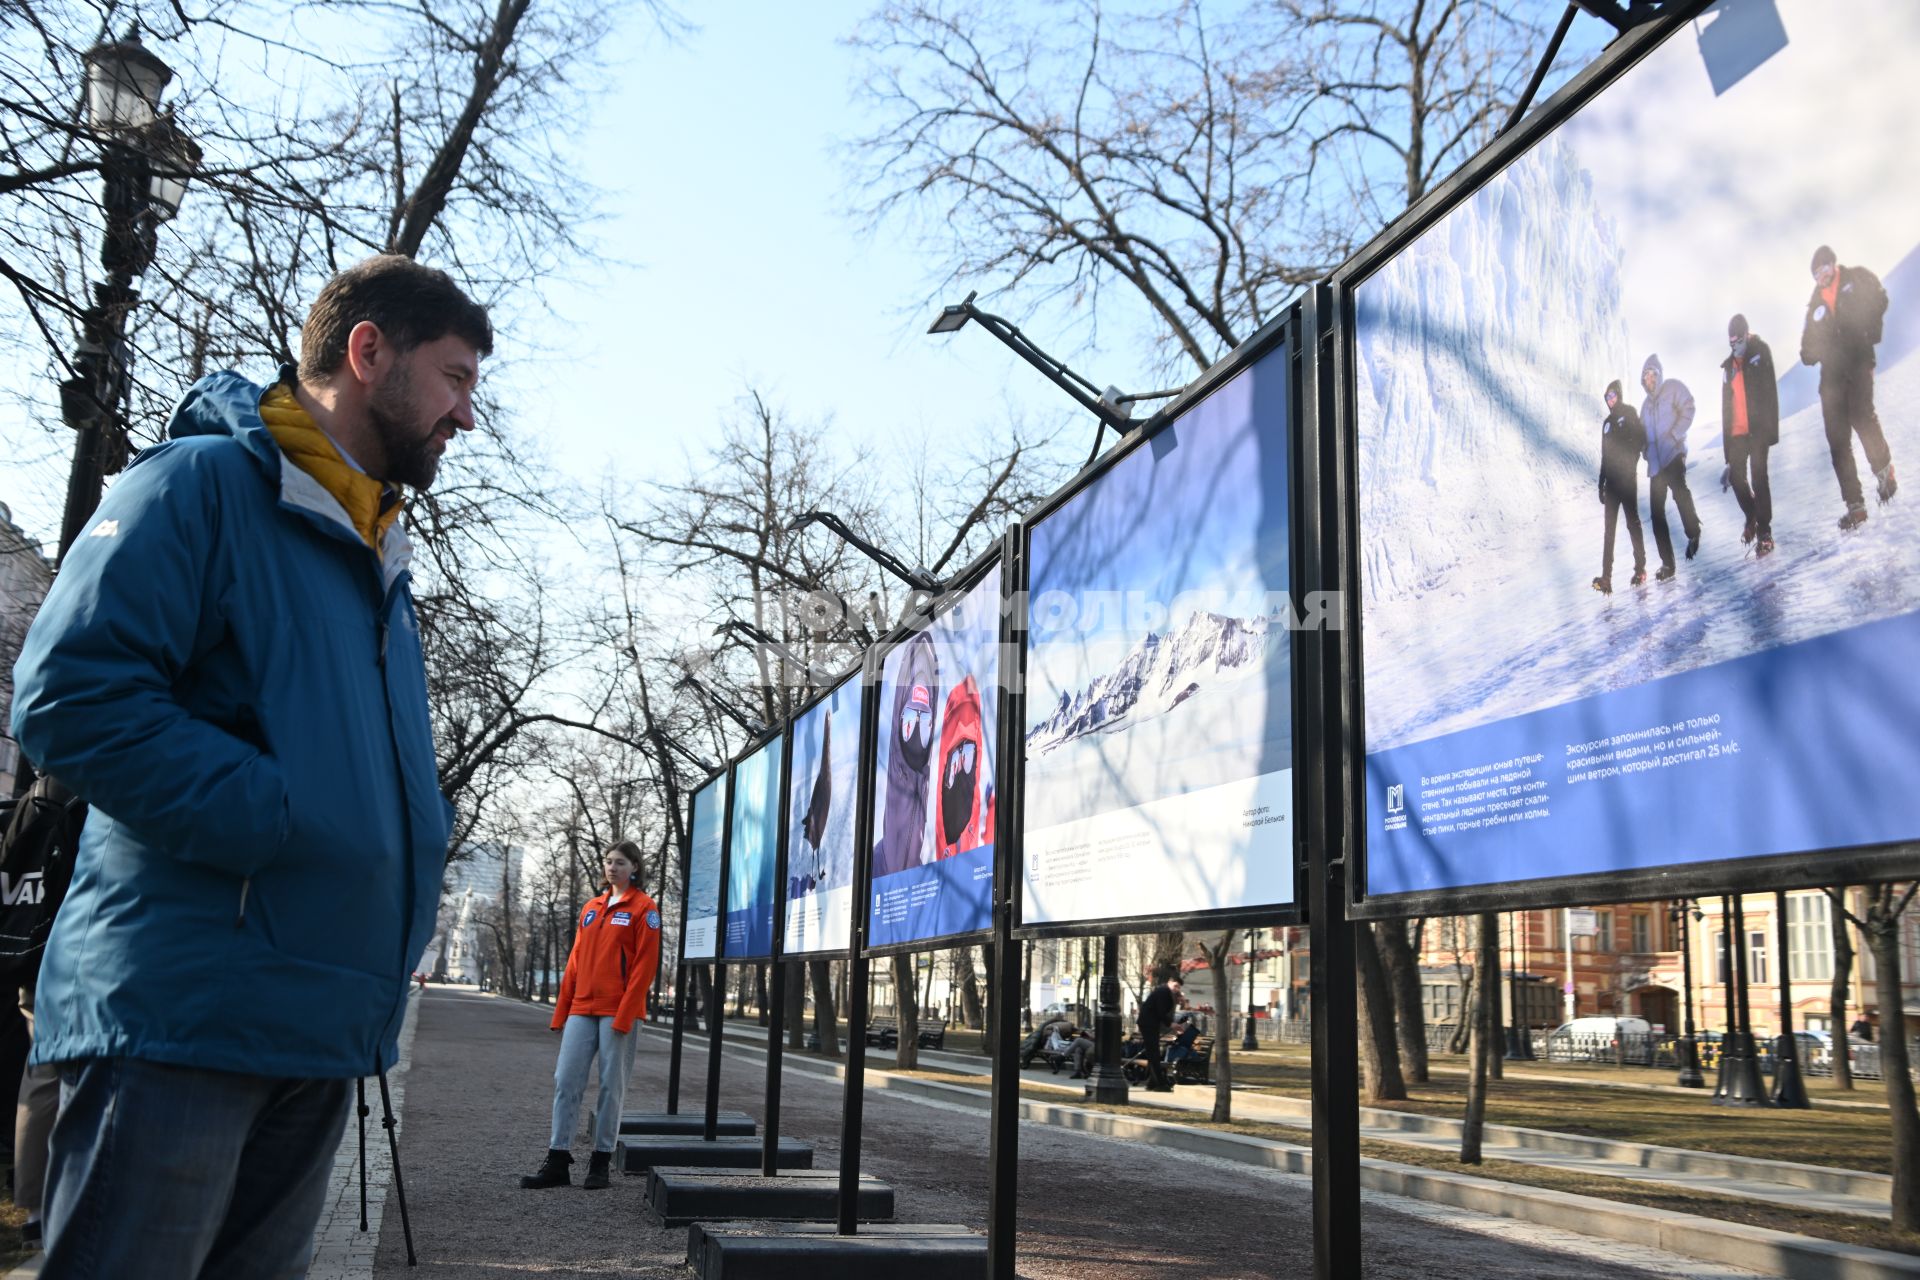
point(959, 586)
point(1795, 870)
point(681, 965)
point(1274, 334)
point(774, 737)
point(856, 676)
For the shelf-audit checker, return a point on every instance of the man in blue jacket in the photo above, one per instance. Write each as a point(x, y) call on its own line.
point(228, 669)
point(1666, 414)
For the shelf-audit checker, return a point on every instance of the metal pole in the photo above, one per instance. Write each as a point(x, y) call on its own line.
point(1003, 1142)
point(680, 978)
point(1107, 1082)
point(1690, 1077)
point(1789, 1090)
point(393, 1149)
point(1570, 1004)
point(1248, 1041)
point(716, 1022)
point(854, 1095)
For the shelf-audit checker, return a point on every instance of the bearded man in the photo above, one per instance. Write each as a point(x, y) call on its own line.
point(228, 670)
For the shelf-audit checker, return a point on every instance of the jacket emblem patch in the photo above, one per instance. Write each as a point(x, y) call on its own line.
point(623, 918)
point(593, 914)
point(106, 529)
point(653, 919)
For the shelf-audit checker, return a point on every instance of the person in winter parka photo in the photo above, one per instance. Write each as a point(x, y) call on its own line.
point(902, 844)
point(616, 952)
point(1666, 414)
point(1622, 441)
point(1749, 427)
point(228, 670)
point(966, 775)
point(1844, 320)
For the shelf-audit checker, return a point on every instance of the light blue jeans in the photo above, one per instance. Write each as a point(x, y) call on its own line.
point(173, 1173)
point(581, 1039)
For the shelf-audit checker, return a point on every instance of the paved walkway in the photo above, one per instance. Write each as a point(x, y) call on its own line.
point(478, 1091)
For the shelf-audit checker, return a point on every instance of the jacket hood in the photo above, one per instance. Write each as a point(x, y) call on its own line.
point(226, 404)
point(1659, 374)
point(1613, 389)
point(965, 774)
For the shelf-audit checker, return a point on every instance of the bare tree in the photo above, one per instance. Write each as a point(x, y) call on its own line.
point(1881, 926)
point(1837, 920)
point(1215, 953)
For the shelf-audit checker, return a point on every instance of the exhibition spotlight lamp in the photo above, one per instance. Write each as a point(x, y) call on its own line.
point(1109, 405)
point(918, 579)
point(692, 758)
point(779, 650)
point(145, 160)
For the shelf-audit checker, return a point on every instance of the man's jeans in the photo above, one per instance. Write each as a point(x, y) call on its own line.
point(581, 1038)
point(174, 1173)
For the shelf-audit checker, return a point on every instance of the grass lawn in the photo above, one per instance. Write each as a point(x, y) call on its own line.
point(1580, 1100)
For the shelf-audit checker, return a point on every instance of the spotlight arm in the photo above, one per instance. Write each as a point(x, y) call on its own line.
point(1103, 406)
point(753, 727)
point(780, 650)
point(918, 579)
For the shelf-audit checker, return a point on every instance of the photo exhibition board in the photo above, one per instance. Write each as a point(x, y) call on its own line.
point(750, 856)
point(1636, 590)
point(934, 792)
point(822, 789)
point(706, 827)
point(1159, 734)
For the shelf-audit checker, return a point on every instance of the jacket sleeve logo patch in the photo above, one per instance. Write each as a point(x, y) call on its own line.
point(106, 529)
point(592, 914)
point(623, 918)
point(653, 919)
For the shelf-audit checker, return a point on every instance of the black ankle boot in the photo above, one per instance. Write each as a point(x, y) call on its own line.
point(553, 1172)
point(597, 1169)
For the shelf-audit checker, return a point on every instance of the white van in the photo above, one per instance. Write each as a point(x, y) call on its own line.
point(1602, 1039)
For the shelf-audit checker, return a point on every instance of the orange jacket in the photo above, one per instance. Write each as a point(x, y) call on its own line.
point(615, 954)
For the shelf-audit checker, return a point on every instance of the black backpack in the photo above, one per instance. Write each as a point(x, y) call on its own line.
point(37, 848)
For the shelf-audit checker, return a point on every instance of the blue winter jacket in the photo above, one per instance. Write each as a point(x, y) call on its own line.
point(232, 679)
point(1666, 413)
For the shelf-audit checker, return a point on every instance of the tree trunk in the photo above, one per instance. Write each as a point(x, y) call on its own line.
point(906, 1013)
point(1402, 965)
point(1223, 991)
point(796, 1011)
point(1884, 907)
point(971, 1011)
point(760, 1000)
point(1479, 1043)
point(1379, 1065)
point(1842, 979)
point(826, 1026)
point(1462, 1038)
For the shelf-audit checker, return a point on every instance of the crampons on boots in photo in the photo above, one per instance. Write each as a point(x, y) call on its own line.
point(1888, 485)
point(1855, 517)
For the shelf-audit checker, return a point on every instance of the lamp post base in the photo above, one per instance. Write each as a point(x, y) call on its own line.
point(1107, 1084)
point(1690, 1076)
point(1789, 1090)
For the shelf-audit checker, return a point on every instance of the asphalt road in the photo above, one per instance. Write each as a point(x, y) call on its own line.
point(475, 1114)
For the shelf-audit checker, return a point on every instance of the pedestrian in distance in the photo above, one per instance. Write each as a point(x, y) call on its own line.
point(1666, 414)
point(1844, 320)
point(1622, 441)
point(616, 951)
point(1749, 427)
point(1156, 1014)
point(228, 670)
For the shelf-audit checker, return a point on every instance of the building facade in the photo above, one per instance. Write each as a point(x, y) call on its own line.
point(25, 575)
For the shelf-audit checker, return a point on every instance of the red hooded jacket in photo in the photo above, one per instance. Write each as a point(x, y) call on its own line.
point(965, 776)
point(614, 957)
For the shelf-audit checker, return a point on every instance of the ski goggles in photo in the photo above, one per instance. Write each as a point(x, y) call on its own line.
point(960, 760)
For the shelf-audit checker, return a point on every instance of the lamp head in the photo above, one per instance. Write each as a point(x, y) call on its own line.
point(954, 316)
point(124, 84)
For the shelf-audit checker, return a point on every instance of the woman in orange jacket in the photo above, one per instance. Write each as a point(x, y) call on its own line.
point(616, 950)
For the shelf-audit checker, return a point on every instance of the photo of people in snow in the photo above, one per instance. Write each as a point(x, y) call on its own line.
point(935, 802)
point(820, 801)
point(1689, 311)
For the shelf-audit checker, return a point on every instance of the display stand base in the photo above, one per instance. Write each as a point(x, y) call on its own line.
point(681, 1197)
point(733, 1124)
point(639, 1153)
point(779, 1251)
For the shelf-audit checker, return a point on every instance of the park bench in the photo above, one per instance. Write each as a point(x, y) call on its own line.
point(886, 1035)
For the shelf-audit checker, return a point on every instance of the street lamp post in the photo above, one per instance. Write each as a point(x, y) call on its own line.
point(1249, 1040)
point(145, 161)
point(1107, 1082)
point(1690, 1077)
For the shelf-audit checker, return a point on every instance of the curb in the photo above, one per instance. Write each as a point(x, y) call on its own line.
point(1760, 1249)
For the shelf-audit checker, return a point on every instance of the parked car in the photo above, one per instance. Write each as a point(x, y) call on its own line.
point(1602, 1039)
